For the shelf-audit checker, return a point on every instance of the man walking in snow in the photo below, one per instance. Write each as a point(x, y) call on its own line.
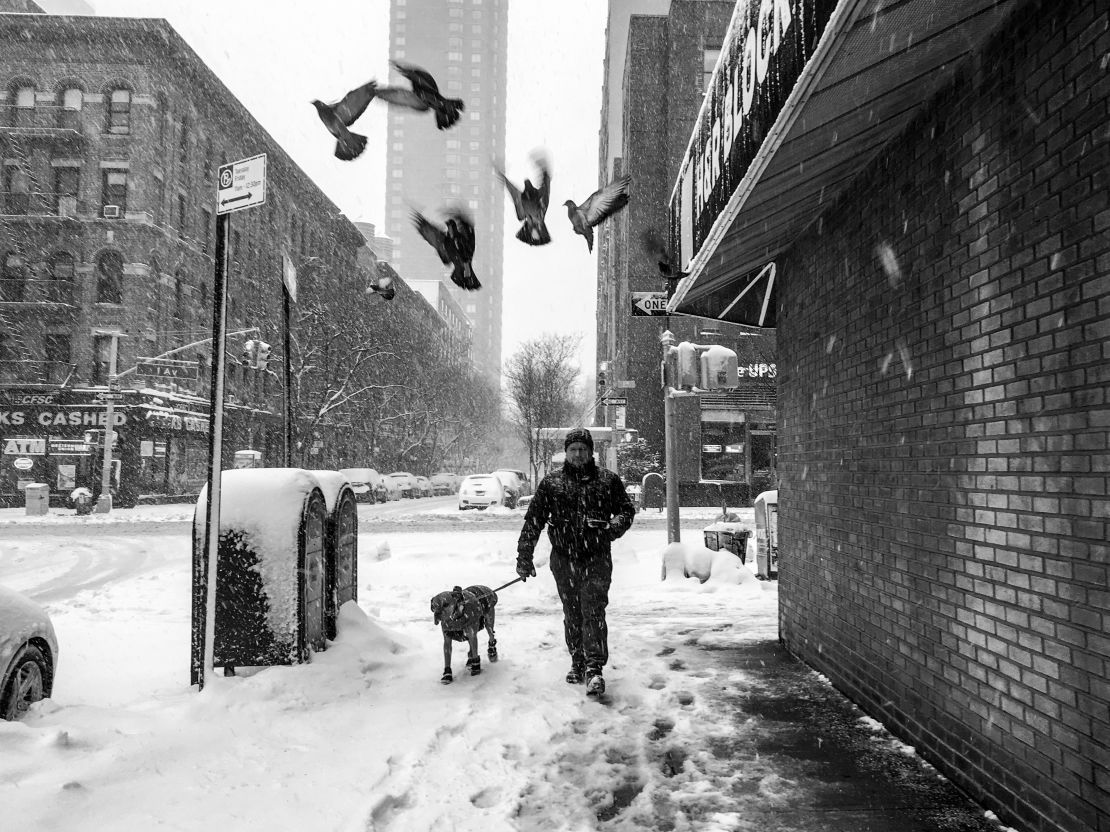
point(585, 508)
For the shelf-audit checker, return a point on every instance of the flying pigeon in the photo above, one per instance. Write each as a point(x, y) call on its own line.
point(531, 203)
point(600, 205)
point(383, 286)
point(342, 114)
point(423, 96)
point(455, 245)
point(657, 250)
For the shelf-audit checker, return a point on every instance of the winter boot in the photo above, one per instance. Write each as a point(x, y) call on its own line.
point(577, 674)
point(595, 683)
point(492, 651)
point(475, 665)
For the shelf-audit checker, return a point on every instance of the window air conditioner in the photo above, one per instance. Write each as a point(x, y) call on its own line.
point(111, 212)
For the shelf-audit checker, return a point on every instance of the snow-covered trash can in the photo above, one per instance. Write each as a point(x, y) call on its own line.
point(37, 495)
point(270, 576)
point(340, 546)
point(732, 537)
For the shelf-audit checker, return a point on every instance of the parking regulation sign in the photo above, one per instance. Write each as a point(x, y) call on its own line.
point(241, 184)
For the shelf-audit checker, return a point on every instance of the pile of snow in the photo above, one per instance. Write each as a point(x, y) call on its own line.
point(683, 562)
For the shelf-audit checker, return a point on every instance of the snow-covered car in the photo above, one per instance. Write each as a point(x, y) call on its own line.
point(514, 488)
point(28, 654)
point(522, 478)
point(481, 491)
point(406, 482)
point(366, 483)
point(389, 487)
point(425, 486)
point(445, 482)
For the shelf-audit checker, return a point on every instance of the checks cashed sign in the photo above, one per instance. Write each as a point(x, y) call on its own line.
point(764, 52)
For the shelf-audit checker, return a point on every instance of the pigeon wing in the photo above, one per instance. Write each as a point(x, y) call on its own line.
point(606, 201)
point(399, 95)
point(433, 235)
point(422, 81)
point(463, 238)
point(545, 183)
point(514, 193)
point(354, 103)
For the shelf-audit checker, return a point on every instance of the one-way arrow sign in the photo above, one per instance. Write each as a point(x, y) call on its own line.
point(649, 303)
point(241, 184)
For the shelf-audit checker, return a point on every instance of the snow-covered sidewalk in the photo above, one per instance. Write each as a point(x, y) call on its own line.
point(365, 737)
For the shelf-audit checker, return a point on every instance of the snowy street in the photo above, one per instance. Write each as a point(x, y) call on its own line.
point(365, 737)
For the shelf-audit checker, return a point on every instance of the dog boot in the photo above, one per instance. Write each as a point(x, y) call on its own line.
point(492, 653)
point(595, 684)
point(447, 678)
point(475, 666)
point(576, 675)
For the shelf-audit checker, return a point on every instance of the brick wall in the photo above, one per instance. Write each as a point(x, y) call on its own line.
point(945, 358)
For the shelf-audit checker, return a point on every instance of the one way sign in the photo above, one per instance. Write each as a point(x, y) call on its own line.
point(241, 184)
point(649, 303)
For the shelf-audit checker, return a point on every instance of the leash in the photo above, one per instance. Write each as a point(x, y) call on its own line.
point(495, 591)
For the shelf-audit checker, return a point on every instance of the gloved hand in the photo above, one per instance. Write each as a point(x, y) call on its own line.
point(525, 569)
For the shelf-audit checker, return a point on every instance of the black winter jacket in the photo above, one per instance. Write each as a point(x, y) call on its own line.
point(565, 500)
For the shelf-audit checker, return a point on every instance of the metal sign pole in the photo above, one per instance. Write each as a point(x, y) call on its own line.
point(288, 374)
point(207, 568)
point(104, 502)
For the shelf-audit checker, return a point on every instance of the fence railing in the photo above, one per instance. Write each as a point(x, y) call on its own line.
point(34, 290)
point(43, 204)
point(35, 372)
point(41, 117)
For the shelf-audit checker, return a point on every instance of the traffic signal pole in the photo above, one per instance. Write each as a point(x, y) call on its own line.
point(104, 502)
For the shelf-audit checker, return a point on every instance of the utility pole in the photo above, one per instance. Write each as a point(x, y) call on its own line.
point(104, 502)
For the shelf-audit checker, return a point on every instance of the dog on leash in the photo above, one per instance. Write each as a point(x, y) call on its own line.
point(462, 614)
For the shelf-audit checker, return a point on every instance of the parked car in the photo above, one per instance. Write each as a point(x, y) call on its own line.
point(28, 654)
point(406, 482)
point(525, 483)
point(514, 488)
point(366, 483)
point(481, 491)
point(425, 486)
point(446, 482)
point(390, 487)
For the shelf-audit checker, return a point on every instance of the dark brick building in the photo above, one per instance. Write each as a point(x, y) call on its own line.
point(111, 133)
point(936, 204)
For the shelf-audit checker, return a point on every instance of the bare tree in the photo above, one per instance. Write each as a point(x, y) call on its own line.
point(539, 380)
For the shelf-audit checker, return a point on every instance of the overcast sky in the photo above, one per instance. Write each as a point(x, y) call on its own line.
point(278, 55)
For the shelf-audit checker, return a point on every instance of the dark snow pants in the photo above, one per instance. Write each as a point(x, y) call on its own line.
point(583, 586)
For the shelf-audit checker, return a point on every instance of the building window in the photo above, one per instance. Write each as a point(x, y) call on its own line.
point(109, 277)
point(475, 58)
point(119, 111)
point(181, 215)
point(71, 98)
point(102, 357)
point(454, 43)
point(162, 116)
point(709, 61)
point(159, 200)
point(66, 180)
point(14, 277)
point(24, 113)
point(17, 187)
point(114, 191)
point(454, 56)
point(179, 297)
point(62, 266)
point(57, 350)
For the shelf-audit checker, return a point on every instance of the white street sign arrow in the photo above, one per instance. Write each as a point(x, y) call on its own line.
point(649, 303)
point(241, 184)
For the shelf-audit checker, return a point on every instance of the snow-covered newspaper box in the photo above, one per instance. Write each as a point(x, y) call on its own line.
point(732, 537)
point(767, 534)
point(270, 569)
point(341, 544)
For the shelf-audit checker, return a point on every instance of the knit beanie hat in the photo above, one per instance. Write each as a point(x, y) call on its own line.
point(579, 435)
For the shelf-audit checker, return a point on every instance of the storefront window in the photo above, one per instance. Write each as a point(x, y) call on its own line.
point(722, 451)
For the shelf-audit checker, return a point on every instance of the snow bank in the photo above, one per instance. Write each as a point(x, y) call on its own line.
point(685, 561)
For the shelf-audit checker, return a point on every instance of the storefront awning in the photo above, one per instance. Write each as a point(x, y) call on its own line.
point(805, 94)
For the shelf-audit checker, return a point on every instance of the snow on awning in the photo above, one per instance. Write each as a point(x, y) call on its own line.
point(804, 95)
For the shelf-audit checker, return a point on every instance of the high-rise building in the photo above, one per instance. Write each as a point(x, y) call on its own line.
point(464, 45)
